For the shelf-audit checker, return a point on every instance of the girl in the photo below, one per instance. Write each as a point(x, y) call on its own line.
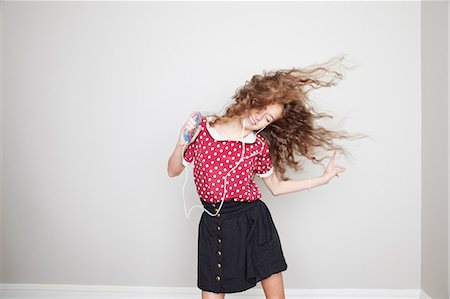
point(238, 243)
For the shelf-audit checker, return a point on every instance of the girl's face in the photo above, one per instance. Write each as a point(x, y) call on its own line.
point(257, 119)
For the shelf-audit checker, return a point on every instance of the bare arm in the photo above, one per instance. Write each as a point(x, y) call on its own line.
point(278, 187)
point(175, 165)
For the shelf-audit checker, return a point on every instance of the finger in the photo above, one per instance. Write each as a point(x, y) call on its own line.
point(196, 133)
point(338, 169)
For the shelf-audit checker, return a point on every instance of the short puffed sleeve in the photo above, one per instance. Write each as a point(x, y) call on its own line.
point(263, 165)
point(191, 148)
point(188, 154)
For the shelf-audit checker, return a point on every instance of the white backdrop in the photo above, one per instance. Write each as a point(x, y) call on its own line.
point(95, 95)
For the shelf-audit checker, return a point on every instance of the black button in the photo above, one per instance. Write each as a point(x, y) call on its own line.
point(219, 252)
point(217, 277)
point(218, 227)
point(219, 265)
point(219, 240)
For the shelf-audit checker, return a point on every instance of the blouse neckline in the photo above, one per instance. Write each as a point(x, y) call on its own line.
point(250, 138)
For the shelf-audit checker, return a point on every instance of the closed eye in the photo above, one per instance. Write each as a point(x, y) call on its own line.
point(268, 119)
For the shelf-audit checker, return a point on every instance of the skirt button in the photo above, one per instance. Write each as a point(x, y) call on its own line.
point(217, 277)
point(219, 252)
point(219, 240)
point(219, 265)
point(218, 227)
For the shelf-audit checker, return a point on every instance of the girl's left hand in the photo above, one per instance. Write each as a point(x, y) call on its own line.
point(333, 169)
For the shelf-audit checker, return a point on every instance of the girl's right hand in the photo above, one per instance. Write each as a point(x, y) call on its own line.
point(189, 126)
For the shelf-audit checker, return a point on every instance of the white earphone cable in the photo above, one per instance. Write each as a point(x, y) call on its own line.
point(225, 177)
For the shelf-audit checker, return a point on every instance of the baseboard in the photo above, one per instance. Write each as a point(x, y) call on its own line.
point(66, 291)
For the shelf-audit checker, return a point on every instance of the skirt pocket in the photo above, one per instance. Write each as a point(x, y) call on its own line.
point(264, 253)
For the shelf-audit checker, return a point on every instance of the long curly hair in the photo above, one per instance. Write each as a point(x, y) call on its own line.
point(297, 132)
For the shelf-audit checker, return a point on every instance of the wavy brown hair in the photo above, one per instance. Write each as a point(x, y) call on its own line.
point(297, 132)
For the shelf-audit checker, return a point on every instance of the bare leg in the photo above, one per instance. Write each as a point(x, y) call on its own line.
point(211, 295)
point(273, 286)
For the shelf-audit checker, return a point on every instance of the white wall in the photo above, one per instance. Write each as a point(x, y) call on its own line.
point(434, 266)
point(1, 135)
point(94, 97)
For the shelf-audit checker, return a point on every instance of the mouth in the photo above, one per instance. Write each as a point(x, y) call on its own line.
point(252, 120)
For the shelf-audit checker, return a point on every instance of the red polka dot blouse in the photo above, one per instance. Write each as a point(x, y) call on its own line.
point(215, 158)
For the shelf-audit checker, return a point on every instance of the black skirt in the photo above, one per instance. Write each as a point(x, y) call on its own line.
point(237, 248)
